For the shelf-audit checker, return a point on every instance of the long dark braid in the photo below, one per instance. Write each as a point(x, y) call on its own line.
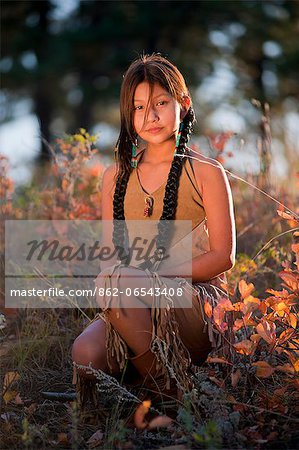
point(169, 202)
point(173, 181)
point(119, 224)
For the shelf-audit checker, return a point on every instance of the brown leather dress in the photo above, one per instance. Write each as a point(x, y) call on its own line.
point(187, 334)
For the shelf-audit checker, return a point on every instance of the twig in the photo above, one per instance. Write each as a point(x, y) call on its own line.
point(296, 216)
point(274, 237)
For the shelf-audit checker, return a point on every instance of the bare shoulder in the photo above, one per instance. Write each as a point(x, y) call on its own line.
point(207, 170)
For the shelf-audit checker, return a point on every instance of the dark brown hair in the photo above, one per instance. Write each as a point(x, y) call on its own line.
point(152, 69)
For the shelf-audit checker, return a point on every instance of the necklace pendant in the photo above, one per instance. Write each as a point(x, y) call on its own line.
point(149, 203)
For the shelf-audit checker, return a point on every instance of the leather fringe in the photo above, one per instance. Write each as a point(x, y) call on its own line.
point(173, 358)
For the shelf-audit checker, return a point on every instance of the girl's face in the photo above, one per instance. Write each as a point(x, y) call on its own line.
point(161, 121)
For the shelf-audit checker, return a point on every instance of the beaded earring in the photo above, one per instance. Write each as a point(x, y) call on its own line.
point(178, 138)
point(134, 154)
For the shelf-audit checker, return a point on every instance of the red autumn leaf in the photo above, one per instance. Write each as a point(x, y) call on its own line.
point(235, 377)
point(284, 293)
point(295, 362)
point(245, 289)
point(271, 436)
point(246, 321)
point(263, 308)
point(96, 170)
point(218, 316)
point(277, 304)
point(218, 141)
point(263, 369)
point(245, 347)
point(250, 299)
point(285, 335)
point(225, 304)
point(96, 438)
point(280, 392)
point(62, 438)
point(292, 319)
point(238, 306)
point(288, 215)
point(238, 323)
point(219, 360)
point(231, 399)
point(295, 248)
point(219, 383)
point(140, 413)
point(291, 279)
point(255, 338)
point(65, 184)
point(287, 368)
point(251, 304)
point(208, 309)
point(267, 331)
point(160, 421)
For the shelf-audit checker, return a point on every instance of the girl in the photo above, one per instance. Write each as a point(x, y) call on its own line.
point(166, 181)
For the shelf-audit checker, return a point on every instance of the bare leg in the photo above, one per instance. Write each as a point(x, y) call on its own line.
point(90, 347)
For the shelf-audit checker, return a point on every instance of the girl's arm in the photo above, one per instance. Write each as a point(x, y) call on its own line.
point(108, 187)
point(218, 204)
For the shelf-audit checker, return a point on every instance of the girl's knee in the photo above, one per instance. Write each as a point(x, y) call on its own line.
point(85, 352)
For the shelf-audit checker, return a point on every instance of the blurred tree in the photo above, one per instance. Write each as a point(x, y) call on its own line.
point(71, 66)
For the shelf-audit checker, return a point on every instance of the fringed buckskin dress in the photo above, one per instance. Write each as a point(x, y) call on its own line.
point(176, 359)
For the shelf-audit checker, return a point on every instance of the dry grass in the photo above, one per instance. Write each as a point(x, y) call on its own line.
point(233, 406)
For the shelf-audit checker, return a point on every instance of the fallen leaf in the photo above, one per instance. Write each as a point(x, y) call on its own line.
point(31, 408)
point(280, 391)
point(217, 360)
point(18, 400)
point(288, 368)
point(263, 369)
point(62, 438)
point(95, 439)
point(271, 436)
point(230, 398)
point(140, 413)
point(219, 383)
point(235, 377)
point(9, 378)
point(7, 393)
point(160, 421)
